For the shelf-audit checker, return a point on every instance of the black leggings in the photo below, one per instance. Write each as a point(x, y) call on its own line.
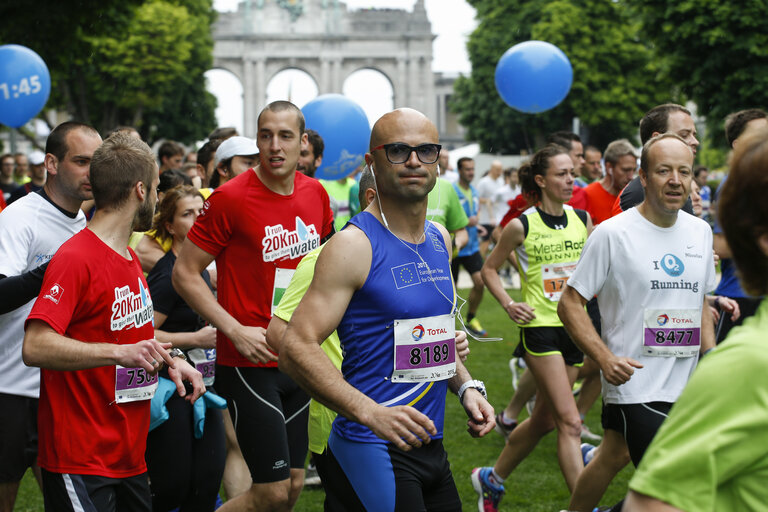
point(185, 472)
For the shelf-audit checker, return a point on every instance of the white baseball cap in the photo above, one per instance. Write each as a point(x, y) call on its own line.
point(235, 146)
point(36, 157)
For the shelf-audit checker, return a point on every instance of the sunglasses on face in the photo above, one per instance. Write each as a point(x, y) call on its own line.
point(399, 153)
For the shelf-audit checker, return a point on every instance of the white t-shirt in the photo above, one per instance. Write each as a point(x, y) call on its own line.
point(31, 231)
point(500, 200)
point(648, 280)
point(486, 188)
point(450, 175)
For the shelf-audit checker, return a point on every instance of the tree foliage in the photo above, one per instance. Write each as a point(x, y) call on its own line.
point(717, 52)
point(615, 75)
point(131, 62)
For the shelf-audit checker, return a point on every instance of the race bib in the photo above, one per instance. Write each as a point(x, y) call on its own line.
point(671, 332)
point(204, 361)
point(282, 280)
point(553, 278)
point(425, 349)
point(133, 384)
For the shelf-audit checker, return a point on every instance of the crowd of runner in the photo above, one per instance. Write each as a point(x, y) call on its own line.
point(175, 323)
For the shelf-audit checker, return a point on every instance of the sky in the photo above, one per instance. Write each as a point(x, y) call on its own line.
point(452, 22)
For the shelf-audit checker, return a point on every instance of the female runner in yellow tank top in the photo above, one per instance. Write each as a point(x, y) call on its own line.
point(547, 240)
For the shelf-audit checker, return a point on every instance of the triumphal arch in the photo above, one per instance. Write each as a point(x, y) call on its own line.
point(329, 42)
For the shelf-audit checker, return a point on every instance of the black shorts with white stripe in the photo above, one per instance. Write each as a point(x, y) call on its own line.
point(269, 412)
point(638, 423)
point(91, 493)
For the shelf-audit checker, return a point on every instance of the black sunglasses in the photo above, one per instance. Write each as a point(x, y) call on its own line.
point(399, 152)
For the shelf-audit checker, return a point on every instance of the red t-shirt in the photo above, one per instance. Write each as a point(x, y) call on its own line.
point(516, 208)
point(252, 232)
point(578, 199)
point(92, 294)
point(599, 202)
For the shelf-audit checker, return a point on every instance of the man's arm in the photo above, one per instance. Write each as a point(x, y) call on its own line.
point(461, 238)
point(480, 412)
point(149, 253)
point(46, 348)
point(15, 291)
point(188, 281)
point(341, 269)
point(202, 338)
point(707, 328)
point(570, 309)
point(720, 246)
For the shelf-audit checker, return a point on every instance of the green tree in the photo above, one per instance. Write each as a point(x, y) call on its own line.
point(615, 76)
point(131, 62)
point(717, 52)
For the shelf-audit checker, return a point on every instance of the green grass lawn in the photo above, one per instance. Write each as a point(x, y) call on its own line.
point(536, 484)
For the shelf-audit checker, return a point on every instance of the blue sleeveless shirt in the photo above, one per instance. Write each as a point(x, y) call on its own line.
point(398, 286)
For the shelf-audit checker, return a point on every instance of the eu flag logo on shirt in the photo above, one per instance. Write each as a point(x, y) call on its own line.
point(405, 275)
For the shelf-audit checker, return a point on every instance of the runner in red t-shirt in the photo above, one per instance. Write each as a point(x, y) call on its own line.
point(91, 332)
point(620, 166)
point(257, 227)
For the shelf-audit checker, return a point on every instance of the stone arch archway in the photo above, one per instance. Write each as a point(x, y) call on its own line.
point(230, 104)
point(293, 84)
point(372, 89)
point(328, 42)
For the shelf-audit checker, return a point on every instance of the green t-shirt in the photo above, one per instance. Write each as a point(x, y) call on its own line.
point(320, 417)
point(711, 453)
point(443, 206)
point(340, 192)
point(354, 199)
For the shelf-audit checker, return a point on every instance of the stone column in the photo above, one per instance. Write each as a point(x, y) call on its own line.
point(325, 76)
point(249, 98)
point(401, 84)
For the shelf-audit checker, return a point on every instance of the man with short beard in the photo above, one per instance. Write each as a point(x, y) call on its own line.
point(31, 230)
point(91, 331)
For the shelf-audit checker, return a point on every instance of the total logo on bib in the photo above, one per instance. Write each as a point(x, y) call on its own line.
point(131, 309)
point(672, 333)
point(425, 349)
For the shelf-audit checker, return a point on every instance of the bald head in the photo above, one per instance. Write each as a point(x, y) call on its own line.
point(402, 174)
point(396, 125)
point(496, 169)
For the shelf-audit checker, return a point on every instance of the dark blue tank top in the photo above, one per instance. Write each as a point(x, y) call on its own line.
point(398, 286)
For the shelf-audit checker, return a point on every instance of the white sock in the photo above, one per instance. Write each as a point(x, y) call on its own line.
point(495, 479)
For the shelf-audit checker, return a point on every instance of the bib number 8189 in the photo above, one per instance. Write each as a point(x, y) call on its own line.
point(437, 353)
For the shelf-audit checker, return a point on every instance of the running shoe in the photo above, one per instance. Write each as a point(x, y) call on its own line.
point(530, 405)
point(501, 427)
point(475, 328)
point(489, 495)
point(516, 370)
point(311, 477)
point(588, 435)
point(587, 452)
point(577, 387)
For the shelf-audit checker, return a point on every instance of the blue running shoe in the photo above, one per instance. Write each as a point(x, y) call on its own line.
point(587, 452)
point(489, 495)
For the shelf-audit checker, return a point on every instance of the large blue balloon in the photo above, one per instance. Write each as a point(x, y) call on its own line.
point(533, 76)
point(344, 127)
point(24, 85)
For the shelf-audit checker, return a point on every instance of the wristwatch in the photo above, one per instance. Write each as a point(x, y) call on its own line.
point(177, 352)
point(477, 384)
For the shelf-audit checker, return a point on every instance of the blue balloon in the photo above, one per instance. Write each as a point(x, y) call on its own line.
point(344, 127)
point(533, 76)
point(25, 85)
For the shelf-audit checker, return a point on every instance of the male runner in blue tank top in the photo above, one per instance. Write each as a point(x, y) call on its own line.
point(384, 283)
